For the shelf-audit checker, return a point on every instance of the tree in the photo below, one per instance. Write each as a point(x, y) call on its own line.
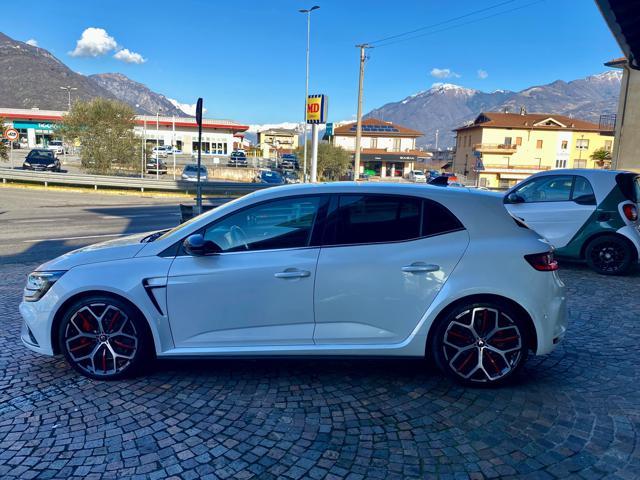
point(601, 155)
point(333, 162)
point(4, 149)
point(104, 129)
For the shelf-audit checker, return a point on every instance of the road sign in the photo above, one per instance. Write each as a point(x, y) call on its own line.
point(317, 108)
point(477, 153)
point(328, 131)
point(479, 165)
point(11, 134)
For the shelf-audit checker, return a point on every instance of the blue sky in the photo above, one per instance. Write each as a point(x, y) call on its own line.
point(246, 59)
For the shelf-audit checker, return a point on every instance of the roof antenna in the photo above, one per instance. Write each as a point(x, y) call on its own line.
point(523, 110)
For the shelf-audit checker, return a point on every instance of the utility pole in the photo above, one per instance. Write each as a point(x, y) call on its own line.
point(356, 163)
point(173, 143)
point(144, 144)
point(306, 90)
point(157, 144)
point(437, 133)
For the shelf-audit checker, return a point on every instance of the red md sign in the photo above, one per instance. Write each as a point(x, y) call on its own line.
point(316, 109)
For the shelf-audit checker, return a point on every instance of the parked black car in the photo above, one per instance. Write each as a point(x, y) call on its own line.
point(41, 160)
point(269, 176)
point(238, 159)
point(289, 160)
point(155, 164)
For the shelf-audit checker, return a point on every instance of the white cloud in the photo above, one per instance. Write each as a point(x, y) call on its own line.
point(482, 74)
point(443, 73)
point(127, 56)
point(32, 41)
point(188, 108)
point(94, 42)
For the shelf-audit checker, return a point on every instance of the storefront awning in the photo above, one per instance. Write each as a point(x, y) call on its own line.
point(393, 157)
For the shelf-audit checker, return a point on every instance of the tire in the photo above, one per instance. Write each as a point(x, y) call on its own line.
point(490, 331)
point(104, 338)
point(609, 255)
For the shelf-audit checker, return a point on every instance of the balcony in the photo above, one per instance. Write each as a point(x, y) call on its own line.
point(495, 148)
point(525, 169)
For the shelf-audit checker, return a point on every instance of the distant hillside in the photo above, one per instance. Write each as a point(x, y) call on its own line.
point(32, 77)
point(136, 94)
point(446, 106)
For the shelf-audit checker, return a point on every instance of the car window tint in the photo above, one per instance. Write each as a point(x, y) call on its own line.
point(437, 219)
point(376, 218)
point(279, 224)
point(547, 189)
point(582, 190)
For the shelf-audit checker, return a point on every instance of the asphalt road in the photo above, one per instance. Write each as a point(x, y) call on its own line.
point(37, 225)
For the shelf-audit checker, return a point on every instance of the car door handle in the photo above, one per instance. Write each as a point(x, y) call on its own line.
point(420, 267)
point(291, 273)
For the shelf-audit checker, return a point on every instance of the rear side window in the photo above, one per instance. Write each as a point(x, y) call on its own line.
point(362, 219)
point(437, 219)
point(376, 218)
point(583, 192)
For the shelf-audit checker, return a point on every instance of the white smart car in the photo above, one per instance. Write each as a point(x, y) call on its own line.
point(325, 269)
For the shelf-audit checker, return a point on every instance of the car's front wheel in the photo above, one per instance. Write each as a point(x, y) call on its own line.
point(104, 338)
point(609, 255)
point(480, 344)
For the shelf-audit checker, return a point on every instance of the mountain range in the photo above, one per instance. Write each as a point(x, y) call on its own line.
point(31, 77)
point(444, 106)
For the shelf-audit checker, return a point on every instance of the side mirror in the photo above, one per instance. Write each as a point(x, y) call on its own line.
point(197, 246)
point(514, 198)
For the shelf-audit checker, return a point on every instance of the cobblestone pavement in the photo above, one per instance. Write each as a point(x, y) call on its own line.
point(573, 414)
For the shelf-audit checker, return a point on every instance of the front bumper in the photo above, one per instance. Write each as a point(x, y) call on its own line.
point(36, 327)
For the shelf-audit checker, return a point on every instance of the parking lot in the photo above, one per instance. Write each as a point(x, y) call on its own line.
point(572, 414)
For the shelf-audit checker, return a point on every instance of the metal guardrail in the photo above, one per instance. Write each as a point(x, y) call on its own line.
point(132, 183)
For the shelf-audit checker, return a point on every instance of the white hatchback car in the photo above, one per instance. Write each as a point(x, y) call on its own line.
point(417, 176)
point(325, 269)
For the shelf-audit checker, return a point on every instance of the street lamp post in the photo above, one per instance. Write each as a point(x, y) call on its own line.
point(68, 88)
point(306, 90)
point(157, 144)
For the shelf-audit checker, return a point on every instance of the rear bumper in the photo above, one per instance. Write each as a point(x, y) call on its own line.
point(632, 232)
point(550, 316)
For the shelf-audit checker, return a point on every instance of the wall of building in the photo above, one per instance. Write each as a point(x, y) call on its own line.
point(627, 153)
point(384, 143)
point(186, 136)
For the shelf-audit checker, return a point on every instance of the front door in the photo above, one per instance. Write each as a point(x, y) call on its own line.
point(385, 259)
point(259, 290)
point(555, 206)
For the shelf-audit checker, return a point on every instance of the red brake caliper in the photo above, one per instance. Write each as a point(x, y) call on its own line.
point(113, 320)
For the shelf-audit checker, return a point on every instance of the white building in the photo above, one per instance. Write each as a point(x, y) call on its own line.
point(386, 149)
point(37, 127)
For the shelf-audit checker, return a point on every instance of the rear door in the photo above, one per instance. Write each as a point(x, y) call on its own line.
point(383, 261)
point(555, 206)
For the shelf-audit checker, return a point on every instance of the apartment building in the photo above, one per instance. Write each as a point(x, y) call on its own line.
point(274, 141)
point(497, 150)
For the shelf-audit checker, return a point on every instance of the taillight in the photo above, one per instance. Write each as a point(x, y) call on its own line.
point(630, 211)
point(543, 262)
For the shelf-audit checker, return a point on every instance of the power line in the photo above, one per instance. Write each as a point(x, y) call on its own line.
point(442, 22)
point(475, 20)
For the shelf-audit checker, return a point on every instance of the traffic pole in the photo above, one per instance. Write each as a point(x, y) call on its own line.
point(314, 153)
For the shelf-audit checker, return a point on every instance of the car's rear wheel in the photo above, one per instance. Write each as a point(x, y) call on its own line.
point(609, 255)
point(104, 338)
point(481, 344)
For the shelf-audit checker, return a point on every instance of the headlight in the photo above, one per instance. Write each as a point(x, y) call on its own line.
point(39, 283)
point(27, 164)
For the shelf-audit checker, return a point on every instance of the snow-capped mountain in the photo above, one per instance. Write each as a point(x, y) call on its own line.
point(446, 106)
